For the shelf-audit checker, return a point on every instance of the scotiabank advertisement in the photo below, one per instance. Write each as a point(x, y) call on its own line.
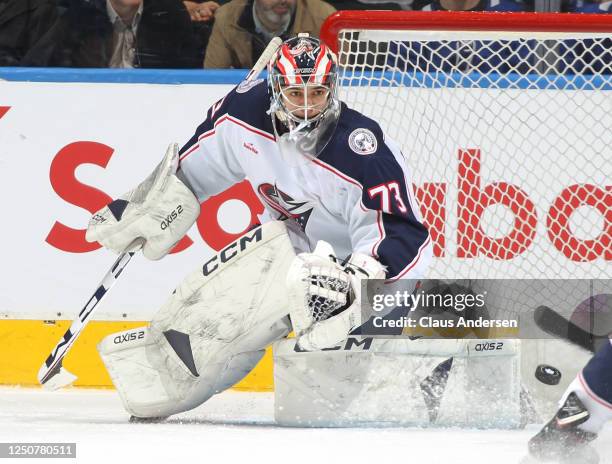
point(513, 183)
point(67, 149)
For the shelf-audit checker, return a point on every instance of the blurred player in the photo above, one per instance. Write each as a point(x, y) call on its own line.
point(585, 407)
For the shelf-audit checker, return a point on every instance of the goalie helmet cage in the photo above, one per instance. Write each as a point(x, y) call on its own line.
point(505, 122)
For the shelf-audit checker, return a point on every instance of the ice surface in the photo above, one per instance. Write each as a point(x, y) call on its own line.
point(238, 427)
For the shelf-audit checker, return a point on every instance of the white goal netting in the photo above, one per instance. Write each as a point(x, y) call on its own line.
point(508, 136)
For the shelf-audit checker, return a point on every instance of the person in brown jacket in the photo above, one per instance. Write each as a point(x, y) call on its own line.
point(243, 28)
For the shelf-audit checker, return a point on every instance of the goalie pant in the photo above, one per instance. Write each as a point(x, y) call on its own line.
point(593, 385)
point(357, 195)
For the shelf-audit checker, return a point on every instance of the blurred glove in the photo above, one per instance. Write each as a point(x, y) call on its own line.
point(159, 212)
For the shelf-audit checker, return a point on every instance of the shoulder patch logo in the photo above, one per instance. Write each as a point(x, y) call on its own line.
point(363, 141)
point(245, 86)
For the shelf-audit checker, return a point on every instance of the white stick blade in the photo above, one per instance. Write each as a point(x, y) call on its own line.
point(61, 379)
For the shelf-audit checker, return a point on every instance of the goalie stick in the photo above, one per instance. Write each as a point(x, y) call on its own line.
point(52, 374)
point(555, 324)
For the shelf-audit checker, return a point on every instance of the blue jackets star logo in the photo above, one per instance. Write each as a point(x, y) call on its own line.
point(285, 206)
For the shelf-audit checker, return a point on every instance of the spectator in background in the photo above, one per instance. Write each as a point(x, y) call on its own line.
point(470, 5)
point(464, 56)
point(372, 4)
point(128, 34)
point(201, 12)
point(243, 28)
point(27, 31)
point(202, 16)
point(587, 56)
point(585, 6)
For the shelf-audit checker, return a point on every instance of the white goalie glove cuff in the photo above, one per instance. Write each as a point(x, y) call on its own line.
point(325, 296)
point(158, 212)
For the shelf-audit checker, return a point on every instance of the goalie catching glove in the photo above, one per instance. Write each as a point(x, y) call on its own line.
point(325, 296)
point(158, 212)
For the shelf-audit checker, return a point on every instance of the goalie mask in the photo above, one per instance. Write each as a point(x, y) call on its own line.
point(302, 81)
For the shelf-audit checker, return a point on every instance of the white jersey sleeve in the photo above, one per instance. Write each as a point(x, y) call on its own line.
point(208, 160)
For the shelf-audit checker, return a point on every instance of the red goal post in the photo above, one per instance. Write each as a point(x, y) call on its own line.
point(460, 21)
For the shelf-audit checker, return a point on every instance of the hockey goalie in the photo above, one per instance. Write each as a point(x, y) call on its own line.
point(339, 209)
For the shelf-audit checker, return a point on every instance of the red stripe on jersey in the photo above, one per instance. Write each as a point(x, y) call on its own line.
point(189, 152)
point(336, 172)
point(226, 117)
point(251, 128)
point(342, 176)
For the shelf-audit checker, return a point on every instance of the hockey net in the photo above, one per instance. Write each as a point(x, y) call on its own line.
point(505, 122)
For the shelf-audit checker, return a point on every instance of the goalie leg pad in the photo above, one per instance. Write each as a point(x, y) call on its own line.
point(212, 330)
point(148, 390)
point(367, 381)
point(133, 365)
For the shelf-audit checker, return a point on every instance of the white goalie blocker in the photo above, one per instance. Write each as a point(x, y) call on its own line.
point(210, 333)
point(422, 382)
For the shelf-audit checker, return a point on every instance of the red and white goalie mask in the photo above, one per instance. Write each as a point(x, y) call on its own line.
point(302, 81)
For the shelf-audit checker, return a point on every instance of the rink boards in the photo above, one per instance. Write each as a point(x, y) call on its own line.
point(68, 144)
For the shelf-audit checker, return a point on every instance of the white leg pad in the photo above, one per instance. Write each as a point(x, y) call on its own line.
point(148, 391)
point(150, 382)
point(210, 333)
point(379, 382)
point(125, 355)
